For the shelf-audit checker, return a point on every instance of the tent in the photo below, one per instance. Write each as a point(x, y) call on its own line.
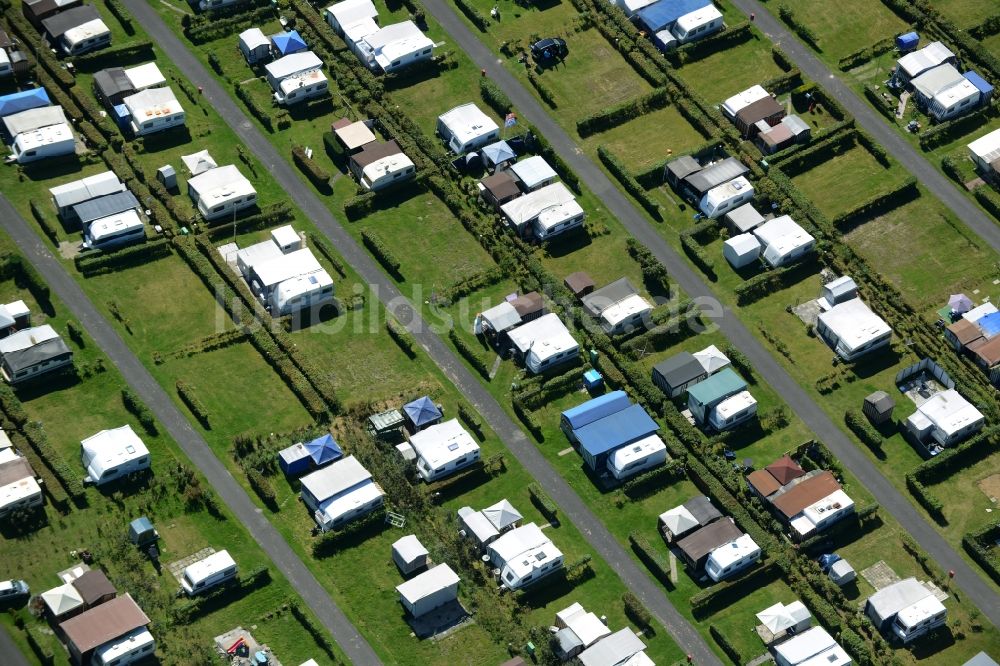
point(711, 359)
point(199, 162)
point(288, 42)
point(498, 153)
point(960, 303)
point(62, 600)
point(779, 617)
point(23, 101)
point(502, 515)
point(422, 412)
point(324, 450)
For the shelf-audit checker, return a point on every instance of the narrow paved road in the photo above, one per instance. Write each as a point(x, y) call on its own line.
point(194, 445)
point(800, 402)
point(868, 118)
point(597, 535)
point(8, 650)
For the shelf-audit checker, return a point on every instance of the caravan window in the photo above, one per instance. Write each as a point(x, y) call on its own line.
point(218, 209)
point(426, 51)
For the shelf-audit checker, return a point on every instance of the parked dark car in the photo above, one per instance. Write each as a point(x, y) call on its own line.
point(549, 48)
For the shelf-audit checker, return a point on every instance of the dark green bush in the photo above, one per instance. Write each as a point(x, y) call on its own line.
point(378, 248)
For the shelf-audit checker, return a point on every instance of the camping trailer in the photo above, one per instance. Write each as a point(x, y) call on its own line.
point(207, 573)
point(443, 449)
point(112, 454)
point(466, 128)
point(731, 558)
point(726, 197)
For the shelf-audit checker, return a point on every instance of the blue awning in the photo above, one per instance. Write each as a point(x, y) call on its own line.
point(617, 430)
point(324, 449)
point(598, 408)
point(981, 84)
point(422, 411)
point(907, 41)
point(23, 101)
point(499, 152)
point(989, 324)
point(288, 42)
point(662, 14)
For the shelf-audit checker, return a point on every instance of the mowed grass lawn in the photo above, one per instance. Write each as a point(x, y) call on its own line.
point(840, 183)
point(727, 72)
point(927, 254)
point(648, 140)
point(966, 13)
point(847, 26)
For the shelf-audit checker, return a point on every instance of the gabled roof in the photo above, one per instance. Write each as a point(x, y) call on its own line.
point(532, 171)
point(679, 369)
point(56, 26)
point(718, 386)
point(293, 64)
point(613, 650)
point(113, 81)
point(104, 623)
point(763, 108)
point(288, 42)
point(716, 174)
point(374, 151)
point(704, 541)
point(335, 479)
point(429, 582)
point(499, 152)
point(323, 449)
point(763, 482)
point(253, 38)
point(784, 469)
point(409, 549)
point(501, 185)
point(92, 585)
point(702, 509)
point(600, 299)
point(31, 346)
point(615, 430)
point(502, 514)
point(597, 408)
point(32, 119)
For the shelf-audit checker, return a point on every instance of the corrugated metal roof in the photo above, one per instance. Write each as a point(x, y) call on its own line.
point(717, 387)
point(105, 206)
point(615, 430)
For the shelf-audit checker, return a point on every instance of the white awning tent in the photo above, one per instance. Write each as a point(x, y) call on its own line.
point(779, 617)
point(199, 162)
point(678, 520)
point(502, 515)
point(63, 599)
point(711, 359)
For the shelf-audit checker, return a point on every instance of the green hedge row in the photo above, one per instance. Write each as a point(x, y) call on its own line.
point(316, 174)
point(605, 119)
point(863, 55)
point(889, 198)
point(544, 91)
point(637, 611)
point(629, 182)
point(494, 97)
point(99, 263)
point(728, 37)
point(674, 330)
point(193, 402)
point(981, 546)
point(138, 408)
point(400, 336)
point(986, 28)
point(885, 105)
point(989, 200)
point(816, 153)
point(262, 114)
point(471, 354)
point(725, 645)
point(378, 247)
point(723, 593)
point(209, 27)
point(44, 222)
point(543, 503)
point(699, 257)
point(759, 286)
point(320, 244)
point(741, 363)
point(262, 486)
point(474, 15)
point(653, 270)
point(652, 558)
point(473, 283)
point(858, 424)
point(125, 54)
point(802, 30)
point(950, 130)
point(360, 206)
point(120, 13)
point(46, 58)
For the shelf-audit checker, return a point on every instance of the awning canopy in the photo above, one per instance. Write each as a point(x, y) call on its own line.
point(324, 449)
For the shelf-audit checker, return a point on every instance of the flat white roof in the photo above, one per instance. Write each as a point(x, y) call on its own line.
point(43, 136)
point(429, 582)
point(722, 193)
point(94, 28)
point(91, 187)
point(467, 122)
point(734, 404)
point(501, 317)
point(286, 266)
point(32, 119)
point(409, 548)
point(253, 38)
point(395, 41)
point(334, 479)
point(587, 627)
point(645, 447)
point(525, 208)
point(291, 83)
point(782, 235)
point(221, 184)
point(387, 165)
point(625, 308)
point(302, 284)
point(285, 236)
point(920, 611)
point(530, 560)
point(332, 510)
point(987, 147)
point(894, 597)
point(293, 63)
point(145, 76)
point(949, 411)
point(698, 17)
point(480, 526)
point(213, 564)
point(811, 642)
point(734, 551)
point(835, 656)
point(19, 490)
point(114, 224)
point(515, 542)
point(956, 93)
point(854, 323)
point(534, 170)
point(744, 244)
point(544, 337)
point(936, 80)
point(356, 31)
point(110, 448)
point(443, 442)
point(123, 645)
point(741, 100)
point(27, 338)
point(258, 253)
point(980, 311)
point(837, 502)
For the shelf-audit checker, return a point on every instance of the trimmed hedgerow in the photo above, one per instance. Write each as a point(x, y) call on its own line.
point(377, 246)
point(193, 402)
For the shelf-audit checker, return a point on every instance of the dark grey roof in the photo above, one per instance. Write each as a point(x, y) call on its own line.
point(679, 369)
point(112, 81)
point(702, 542)
point(56, 26)
point(683, 166)
point(373, 152)
point(702, 509)
point(881, 401)
point(110, 204)
point(717, 174)
point(599, 300)
point(43, 351)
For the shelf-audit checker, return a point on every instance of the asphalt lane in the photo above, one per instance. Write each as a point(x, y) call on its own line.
point(573, 508)
point(728, 322)
point(873, 123)
point(11, 655)
point(194, 445)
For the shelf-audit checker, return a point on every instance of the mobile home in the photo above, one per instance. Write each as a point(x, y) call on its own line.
point(466, 128)
point(340, 493)
point(112, 454)
point(432, 589)
point(381, 165)
point(852, 329)
point(637, 457)
point(544, 213)
point(443, 449)
point(731, 558)
point(394, 47)
point(784, 241)
point(297, 77)
point(31, 352)
point(726, 197)
point(115, 231)
point(154, 110)
point(77, 31)
point(207, 573)
point(221, 191)
point(544, 343)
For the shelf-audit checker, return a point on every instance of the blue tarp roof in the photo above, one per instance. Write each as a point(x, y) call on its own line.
point(22, 101)
point(616, 430)
point(324, 449)
point(595, 409)
point(661, 14)
point(141, 525)
point(288, 42)
point(989, 324)
point(719, 385)
point(982, 84)
point(499, 152)
point(422, 411)
point(908, 40)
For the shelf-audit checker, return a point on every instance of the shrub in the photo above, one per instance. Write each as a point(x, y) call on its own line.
point(262, 114)
point(121, 55)
point(262, 486)
point(320, 244)
point(637, 611)
point(605, 119)
point(543, 503)
point(474, 15)
point(472, 355)
point(334, 149)
point(950, 130)
point(862, 429)
point(629, 182)
point(313, 171)
point(863, 55)
point(75, 334)
point(471, 419)
point(360, 206)
point(702, 48)
point(528, 419)
point(543, 90)
point(882, 102)
point(400, 336)
point(494, 97)
point(950, 167)
point(989, 200)
point(99, 263)
point(120, 13)
point(741, 363)
point(139, 409)
point(889, 198)
point(698, 256)
point(474, 282)
point(193, 402)
point(763, 284)
point(725, 645)
point(378, 248)
point(652, 558)
point(43, 221)
point(788, 16)
point(980, 546)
